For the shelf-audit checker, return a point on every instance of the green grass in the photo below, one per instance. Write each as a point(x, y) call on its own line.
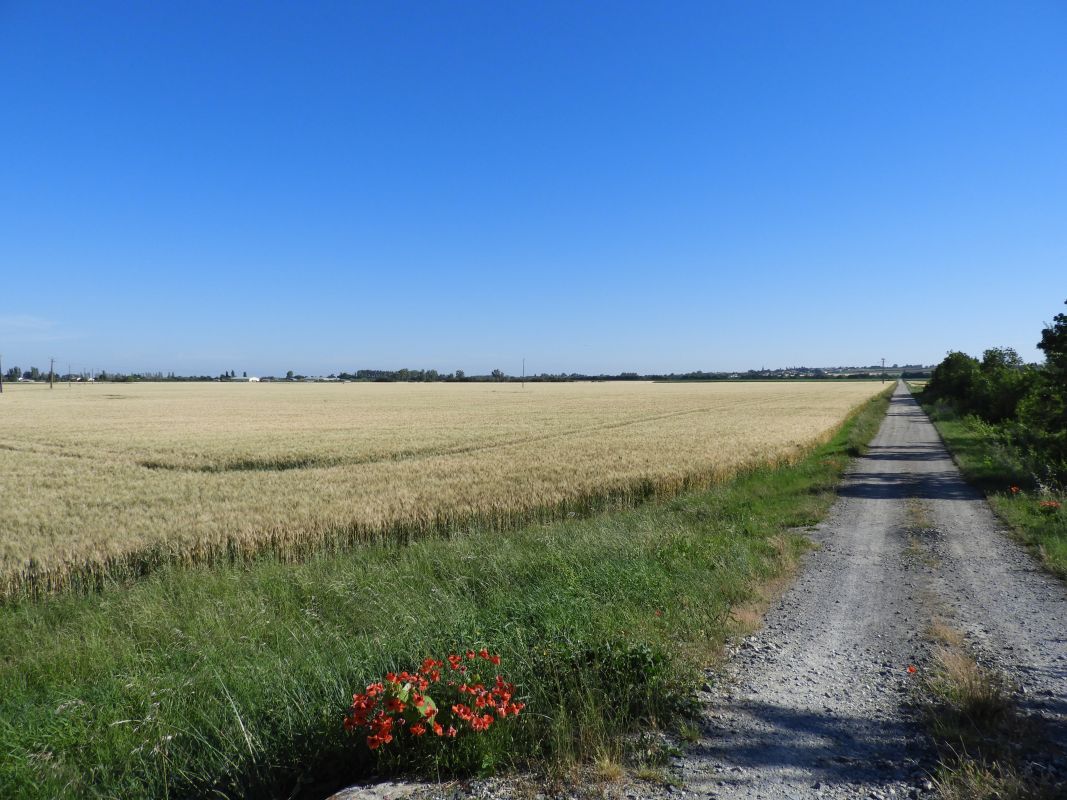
point(994, 466)
point(233, 681)
point(863, 426)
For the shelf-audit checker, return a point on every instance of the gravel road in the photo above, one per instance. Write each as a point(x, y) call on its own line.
point(816, 704)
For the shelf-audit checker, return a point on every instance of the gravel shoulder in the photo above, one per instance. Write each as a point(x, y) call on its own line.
point(818, 703)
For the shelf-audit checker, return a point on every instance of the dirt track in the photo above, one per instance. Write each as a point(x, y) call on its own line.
point(817, 705)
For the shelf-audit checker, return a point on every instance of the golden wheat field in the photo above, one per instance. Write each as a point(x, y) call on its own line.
point(115, 479)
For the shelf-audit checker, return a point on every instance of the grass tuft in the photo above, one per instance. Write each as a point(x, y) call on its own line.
point(969, 779)
point(608, 769)
point(973, 699)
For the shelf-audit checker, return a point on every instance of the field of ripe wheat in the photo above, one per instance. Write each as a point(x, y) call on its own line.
point(113, 480)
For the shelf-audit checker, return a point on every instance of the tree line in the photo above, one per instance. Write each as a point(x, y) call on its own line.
point(405, 375)
point(1026, 402)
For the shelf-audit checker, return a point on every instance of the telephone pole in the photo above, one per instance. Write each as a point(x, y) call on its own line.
point(51, 373)
point(883, 370)
point(523, 373)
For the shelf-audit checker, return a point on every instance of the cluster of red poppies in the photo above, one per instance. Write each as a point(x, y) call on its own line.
point(402, 700)
point(497, 699)
point(1044, 506)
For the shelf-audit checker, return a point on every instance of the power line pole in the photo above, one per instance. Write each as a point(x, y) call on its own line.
point(1, 373)
point(523, 373)
point(883, 370)
point(51, 373)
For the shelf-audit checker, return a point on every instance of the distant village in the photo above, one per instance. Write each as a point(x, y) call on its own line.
point(873, 372)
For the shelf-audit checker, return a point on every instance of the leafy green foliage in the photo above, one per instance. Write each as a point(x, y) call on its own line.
point(1028, 402)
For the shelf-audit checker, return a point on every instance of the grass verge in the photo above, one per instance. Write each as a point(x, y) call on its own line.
point(233, 680)
point(1036, 513)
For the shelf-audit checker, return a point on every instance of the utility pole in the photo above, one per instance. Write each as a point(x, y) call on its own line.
point(524, 373)
point(69, 385)
point(1, 373)
point(883, 370)
point(51, 373)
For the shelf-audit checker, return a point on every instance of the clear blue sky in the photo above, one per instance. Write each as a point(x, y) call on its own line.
point(596, 186)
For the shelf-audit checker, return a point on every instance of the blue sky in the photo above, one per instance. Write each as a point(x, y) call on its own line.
point(596, 186)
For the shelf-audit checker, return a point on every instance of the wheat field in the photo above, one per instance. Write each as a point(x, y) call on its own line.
point(112, 480)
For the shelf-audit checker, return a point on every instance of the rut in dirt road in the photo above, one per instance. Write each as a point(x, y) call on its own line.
point(816, 704)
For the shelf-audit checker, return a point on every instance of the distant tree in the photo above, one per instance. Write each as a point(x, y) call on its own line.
point(289, 375)
point(460, 375)
point(954, 379)
point(498, 375)
point(244, 374)
point(1003, 380)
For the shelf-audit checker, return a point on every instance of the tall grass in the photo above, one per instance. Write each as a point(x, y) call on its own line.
point(233, 680)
